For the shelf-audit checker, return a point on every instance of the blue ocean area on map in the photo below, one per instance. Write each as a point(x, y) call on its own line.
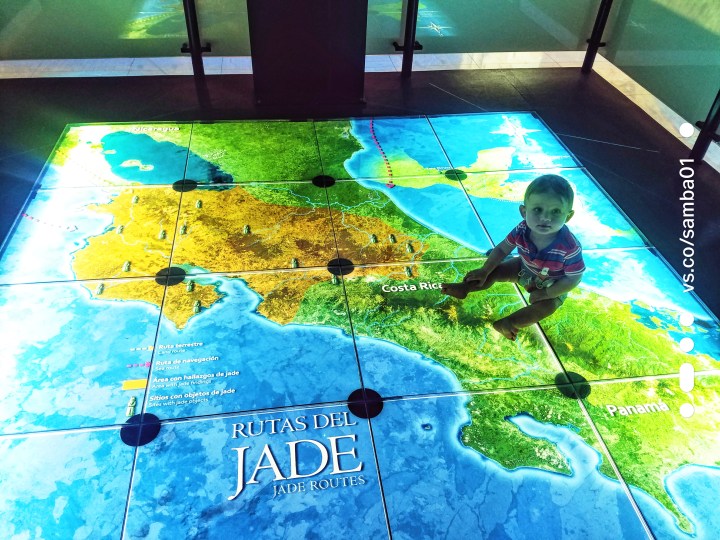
point(478, 494)
point(691, 487)
point(166, 159)
point(634, 276)
point(585, 461)
point(499, 216)
point(210, 469)
point(233, 325)
point(64, 494)
point(137, 157)
point(535, 146)
point(85, 385)
point(705, 340)
point(552, 502)
point(29, 256)
point(437, 208)
point(410, 137)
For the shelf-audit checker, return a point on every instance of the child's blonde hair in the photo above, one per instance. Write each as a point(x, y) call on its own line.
point(551, 183)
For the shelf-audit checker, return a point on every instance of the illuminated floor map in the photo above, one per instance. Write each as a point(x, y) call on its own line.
point(235, 330)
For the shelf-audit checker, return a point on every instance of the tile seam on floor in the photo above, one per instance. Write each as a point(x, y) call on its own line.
point(391, 399)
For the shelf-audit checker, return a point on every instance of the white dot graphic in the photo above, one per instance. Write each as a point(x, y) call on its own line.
point(686, 344)
point(686, 410)
point(686, 129)
point(686, 319)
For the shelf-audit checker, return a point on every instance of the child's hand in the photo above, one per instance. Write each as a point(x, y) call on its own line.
point(477, 276)
point(537, 295)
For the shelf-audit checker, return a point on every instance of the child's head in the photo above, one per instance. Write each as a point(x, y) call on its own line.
point(547, 204)
point(552, 184)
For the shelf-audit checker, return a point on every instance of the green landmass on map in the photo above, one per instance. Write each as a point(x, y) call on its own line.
point(63, 150)
point(352, 199)
point(285, 294)
point(336, 144)
point(600, 338)
point(645, 446)
point(257, 151)
point(456, 334)
point(492, 434)
point(648, 446)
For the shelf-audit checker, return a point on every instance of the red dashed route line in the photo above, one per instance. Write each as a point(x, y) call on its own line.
point(382, 152)
point(55, 225)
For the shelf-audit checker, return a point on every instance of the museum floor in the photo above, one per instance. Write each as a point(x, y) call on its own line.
point(275, 360)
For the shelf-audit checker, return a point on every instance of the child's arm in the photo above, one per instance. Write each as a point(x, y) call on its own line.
point(494, 259)
point(561, 286)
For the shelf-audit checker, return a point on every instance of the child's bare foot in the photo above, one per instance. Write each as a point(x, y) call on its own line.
point(506, 328)
point(458, 290)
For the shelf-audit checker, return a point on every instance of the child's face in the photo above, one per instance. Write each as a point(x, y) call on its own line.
point(545, 213)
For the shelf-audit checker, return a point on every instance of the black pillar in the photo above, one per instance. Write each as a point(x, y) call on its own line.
point(595, 41)
point(410, 30)
point(708, 131)
point(195, 49)
point(308, 51)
